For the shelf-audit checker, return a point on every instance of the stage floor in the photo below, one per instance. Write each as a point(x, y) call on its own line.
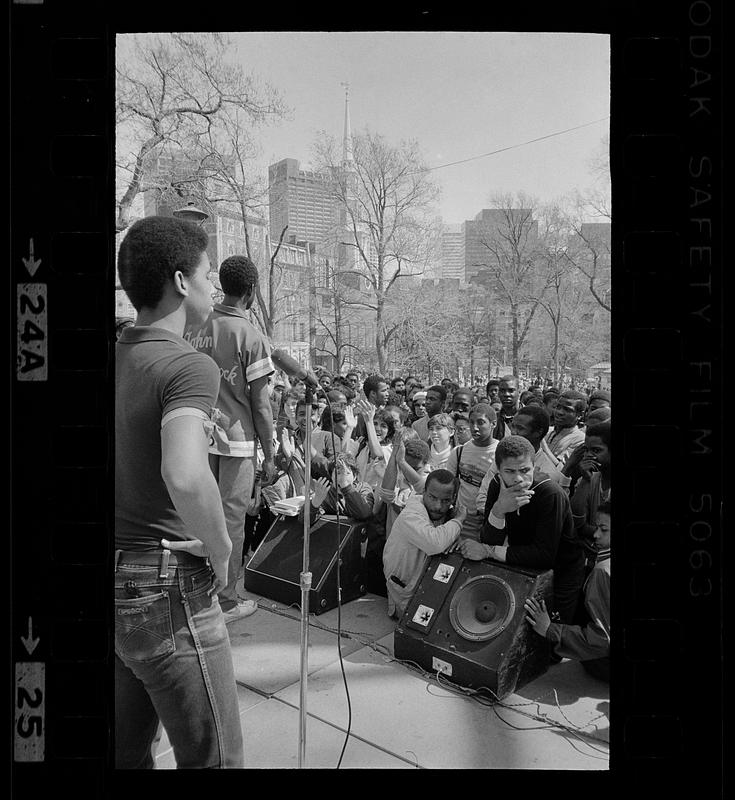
point(400, 718)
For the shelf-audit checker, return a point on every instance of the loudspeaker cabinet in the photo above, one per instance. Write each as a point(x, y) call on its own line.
point(274, 570)
point(466, 619)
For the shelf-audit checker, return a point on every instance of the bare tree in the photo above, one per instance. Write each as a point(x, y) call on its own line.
point(384, 196)
point(170, 90)
point(589, 252)
point(509, 264)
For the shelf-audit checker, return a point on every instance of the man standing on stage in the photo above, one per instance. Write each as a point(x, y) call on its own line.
point(243, 357)
point(172, 653)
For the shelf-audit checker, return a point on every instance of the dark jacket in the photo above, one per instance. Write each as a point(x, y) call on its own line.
point(540, 534)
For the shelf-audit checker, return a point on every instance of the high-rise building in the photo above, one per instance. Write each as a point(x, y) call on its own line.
point(306, 205)
point(452, 260)
point(301, 200)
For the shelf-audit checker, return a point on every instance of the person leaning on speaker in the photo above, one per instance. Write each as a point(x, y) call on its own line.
point(528, 523)
point(424, 528)
point(589, 644)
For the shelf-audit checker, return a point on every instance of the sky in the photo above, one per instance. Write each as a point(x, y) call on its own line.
point(458, 94)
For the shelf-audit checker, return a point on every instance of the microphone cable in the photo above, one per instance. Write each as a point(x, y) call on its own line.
point(335, 483)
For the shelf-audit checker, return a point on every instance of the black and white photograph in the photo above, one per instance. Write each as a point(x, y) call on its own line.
point(363, 400)
point(312, 346)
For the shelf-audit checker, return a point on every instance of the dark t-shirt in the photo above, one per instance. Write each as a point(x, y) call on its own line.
point(541, 534)
point(156, 372)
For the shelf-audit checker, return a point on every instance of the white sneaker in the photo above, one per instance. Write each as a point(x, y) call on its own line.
point(244, 608)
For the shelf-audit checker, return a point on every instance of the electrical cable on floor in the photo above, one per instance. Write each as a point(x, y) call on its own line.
point(494, 702)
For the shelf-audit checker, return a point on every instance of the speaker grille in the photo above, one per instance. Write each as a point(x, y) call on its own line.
point(482, 608)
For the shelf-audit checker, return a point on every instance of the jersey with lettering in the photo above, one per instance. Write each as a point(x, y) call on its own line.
point(242, 355)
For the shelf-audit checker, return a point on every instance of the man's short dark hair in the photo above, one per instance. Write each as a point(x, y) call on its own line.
point(600, 394)
point(442, 476)
point(153, 249)
point(513, 447)
point(486, 409)
point(506, 378)
point(237, 275)
point(440, 390)
point(395, 381)
point(579, 399)
point(601, 430)
point(491, 382)
point(371, 384)
point(539, 416)
point(417, 448)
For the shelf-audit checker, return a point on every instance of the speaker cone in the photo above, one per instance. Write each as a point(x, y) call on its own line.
point(482, 608)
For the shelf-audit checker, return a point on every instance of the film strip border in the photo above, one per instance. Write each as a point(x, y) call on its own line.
point(666, 155)
point(62, 147)
point(667, 352)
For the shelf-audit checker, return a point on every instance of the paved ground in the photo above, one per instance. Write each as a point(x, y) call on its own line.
point(401, 719)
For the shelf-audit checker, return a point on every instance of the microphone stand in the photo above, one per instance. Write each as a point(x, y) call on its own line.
point(305, 582)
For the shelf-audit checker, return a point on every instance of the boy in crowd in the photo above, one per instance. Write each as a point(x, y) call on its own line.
point(508, 397)
point(471, 461)
point(435, 398)
point(532, 423)
point(171, 538)
point(566, 434)
point(441, 430)
point(424, 528)
point(590, 463)
point(529, 523)
point(590, 643)
point(462, 433)
point(492, 389)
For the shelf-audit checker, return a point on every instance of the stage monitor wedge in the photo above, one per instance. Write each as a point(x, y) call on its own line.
point(466, 620)
point(274, 569)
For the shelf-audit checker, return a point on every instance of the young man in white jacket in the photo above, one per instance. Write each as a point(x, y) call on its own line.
point(424, 528)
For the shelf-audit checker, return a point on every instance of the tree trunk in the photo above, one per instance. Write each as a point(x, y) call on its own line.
point(556, 352)
point(515, 342)
point(379, 340)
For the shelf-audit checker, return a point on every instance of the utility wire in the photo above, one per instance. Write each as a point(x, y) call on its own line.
point(514, 146)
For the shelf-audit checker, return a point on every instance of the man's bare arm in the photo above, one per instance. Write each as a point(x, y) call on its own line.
point(193, 488)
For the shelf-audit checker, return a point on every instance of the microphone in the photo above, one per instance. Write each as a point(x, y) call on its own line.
point(293, 369)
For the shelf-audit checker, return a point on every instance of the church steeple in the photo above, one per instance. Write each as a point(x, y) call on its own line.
point(347, 158)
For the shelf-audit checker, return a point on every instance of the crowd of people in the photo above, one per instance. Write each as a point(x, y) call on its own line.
point(213, 428)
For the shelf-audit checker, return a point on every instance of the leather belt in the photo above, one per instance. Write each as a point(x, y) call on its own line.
point(164, 559)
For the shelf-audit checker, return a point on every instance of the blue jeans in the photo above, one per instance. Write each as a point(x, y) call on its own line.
point(173, 662)
point(235, 478)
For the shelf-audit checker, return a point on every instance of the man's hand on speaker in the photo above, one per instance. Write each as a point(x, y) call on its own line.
point(474, 551)
point(537, 616)
point(511, 498)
